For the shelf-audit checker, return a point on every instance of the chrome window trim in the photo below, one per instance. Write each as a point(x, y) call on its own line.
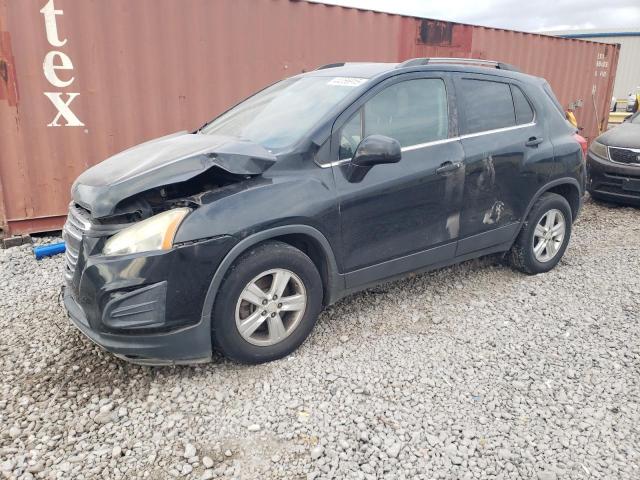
point(334, 164)
point(419, 146)
point(496, 130)
point(429, 144)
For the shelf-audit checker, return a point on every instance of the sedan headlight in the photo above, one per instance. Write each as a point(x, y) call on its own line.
point(599, 150)
point(155, 233)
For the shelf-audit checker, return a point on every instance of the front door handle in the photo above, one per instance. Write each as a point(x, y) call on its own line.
point(448, 167)
point(534, 141)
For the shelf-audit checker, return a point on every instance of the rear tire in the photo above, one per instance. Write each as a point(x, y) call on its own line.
point(544, 236)
point(267, 305)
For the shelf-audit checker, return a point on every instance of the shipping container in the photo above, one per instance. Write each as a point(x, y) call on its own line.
point(83, 79)
point(628, 69)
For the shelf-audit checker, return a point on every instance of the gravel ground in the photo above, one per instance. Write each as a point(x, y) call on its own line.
point(473, 371)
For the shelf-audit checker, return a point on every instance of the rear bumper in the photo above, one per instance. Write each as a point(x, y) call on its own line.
point(613, 181)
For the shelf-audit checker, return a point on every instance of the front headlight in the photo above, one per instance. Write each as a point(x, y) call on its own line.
point(599, 150)
point(155, 233)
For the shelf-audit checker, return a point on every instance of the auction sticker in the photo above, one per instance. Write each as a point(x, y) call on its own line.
point(346, 81)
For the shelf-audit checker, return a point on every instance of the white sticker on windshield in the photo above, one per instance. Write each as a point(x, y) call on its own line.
point(346, 81)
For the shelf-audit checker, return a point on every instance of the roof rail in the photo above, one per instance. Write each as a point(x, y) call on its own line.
point(414, 62)
point(331, 65)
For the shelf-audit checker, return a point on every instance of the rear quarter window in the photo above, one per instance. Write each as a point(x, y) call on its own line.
point(524, 112)
point(486, 105)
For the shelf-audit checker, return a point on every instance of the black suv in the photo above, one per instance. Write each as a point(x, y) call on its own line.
point(235, 236)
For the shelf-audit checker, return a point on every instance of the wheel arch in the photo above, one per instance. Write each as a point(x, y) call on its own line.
point(522, 254)
point(567, 187)
point(304, 237)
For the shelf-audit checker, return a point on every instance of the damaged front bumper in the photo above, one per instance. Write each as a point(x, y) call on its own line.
point(188, 345)
point(147, 307)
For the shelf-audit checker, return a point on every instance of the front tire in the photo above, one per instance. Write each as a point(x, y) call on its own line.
point(267, 305)
point(544, 236)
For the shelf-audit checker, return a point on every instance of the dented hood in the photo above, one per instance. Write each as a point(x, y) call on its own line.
point(163, 161)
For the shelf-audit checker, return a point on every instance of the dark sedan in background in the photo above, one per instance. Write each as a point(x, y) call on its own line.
point(613, 164)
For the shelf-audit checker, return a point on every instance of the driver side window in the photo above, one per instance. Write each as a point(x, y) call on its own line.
point(412, 112)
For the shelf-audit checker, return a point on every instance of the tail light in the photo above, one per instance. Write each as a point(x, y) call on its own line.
point(583, 144)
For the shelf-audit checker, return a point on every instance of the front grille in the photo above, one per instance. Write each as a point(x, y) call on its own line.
point(76, 225)
point(625, 155)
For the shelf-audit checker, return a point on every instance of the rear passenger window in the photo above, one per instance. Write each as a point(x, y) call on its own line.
point(412, 112)
point(486, 105)
point(524, 113)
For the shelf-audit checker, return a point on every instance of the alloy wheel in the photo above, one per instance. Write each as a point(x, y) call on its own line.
point(549, 235)
point(270, 307)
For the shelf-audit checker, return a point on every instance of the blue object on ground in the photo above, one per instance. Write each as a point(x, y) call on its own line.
point(48, 250)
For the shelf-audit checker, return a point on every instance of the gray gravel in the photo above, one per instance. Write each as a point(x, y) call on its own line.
point(474, 371)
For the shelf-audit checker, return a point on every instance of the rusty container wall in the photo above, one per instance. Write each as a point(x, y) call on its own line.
point(138, 70)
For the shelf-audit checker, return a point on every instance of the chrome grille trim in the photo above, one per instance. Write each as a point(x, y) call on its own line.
point(77, 221)
point(72, 258)
point(72, 233)
point(626, 156)
point(75, 226)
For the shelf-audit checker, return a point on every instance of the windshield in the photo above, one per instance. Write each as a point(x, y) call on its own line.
point(282, 114)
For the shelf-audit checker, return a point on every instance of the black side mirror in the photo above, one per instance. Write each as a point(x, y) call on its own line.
point(373, 150)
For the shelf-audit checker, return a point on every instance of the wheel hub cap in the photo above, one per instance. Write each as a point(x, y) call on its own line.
point(548, 235)
point(270, 307)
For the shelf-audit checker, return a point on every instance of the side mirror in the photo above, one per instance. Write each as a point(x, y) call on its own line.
point(373, 150)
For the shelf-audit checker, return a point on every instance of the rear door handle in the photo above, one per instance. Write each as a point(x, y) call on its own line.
point(448, 167)
point(534, 141)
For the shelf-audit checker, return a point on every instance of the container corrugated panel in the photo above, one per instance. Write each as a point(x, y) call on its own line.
point(82, 80)
point(628, 69)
